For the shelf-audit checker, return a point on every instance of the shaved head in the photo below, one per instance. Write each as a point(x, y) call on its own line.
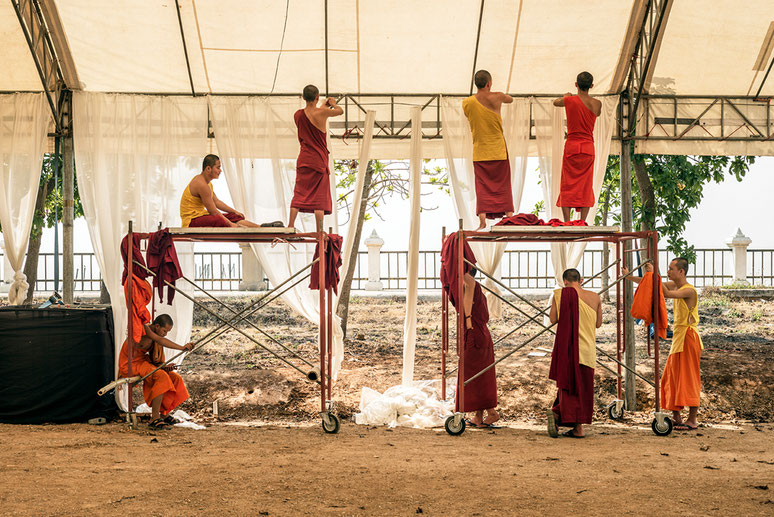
point(310, 92)
point(682, 264)
point(585, 80)
point(571, 275)
point(481, 78)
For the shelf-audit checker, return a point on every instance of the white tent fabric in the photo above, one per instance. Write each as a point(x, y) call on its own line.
point(362, 167)
point(458, 146)
point(258, 145)
point(549, 134)
point(134, 156)
point(24, 119)
point(412, 266)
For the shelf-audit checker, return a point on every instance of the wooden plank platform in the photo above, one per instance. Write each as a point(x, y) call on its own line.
point(231, 231)
point(555, 230)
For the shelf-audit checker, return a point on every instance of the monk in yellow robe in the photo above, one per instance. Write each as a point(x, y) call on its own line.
point(200, 207)
point(681, 380)
point(164, 390)
point(578, 313)
point(492, 170)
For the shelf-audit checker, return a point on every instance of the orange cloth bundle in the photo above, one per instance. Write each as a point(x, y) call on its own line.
point(642, 304)
point(142, 294)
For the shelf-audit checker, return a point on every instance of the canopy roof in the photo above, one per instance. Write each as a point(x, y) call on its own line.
point(392, 46)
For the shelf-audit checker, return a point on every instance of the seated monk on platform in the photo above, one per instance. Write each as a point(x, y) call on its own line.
point(577, 184)
point(579, 315)
point(481, 394)
point(164, 390)
point(200, 207)
point(312, 191)
point(494, 195)
point(681, 380)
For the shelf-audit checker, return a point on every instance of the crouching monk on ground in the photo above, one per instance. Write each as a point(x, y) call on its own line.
point(164, 390)
point(481, 394)
point(681, 380)
point(579, 315)
point(200, 207)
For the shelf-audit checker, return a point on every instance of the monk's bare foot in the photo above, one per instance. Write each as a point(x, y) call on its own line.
point(492, 416)
point(481, 227)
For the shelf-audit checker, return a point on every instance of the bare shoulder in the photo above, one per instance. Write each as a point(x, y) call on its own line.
point(197, 184)
point(597, 106)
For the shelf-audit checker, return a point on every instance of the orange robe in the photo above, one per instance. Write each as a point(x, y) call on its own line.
point(577, 183)
point(681, 380)
point(642, 303)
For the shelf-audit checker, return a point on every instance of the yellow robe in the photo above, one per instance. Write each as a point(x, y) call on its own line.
point(684, 319)
point(487, 129)
point(191, 206)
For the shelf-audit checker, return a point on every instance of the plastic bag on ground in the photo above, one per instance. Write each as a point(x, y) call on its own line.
point(415, 406)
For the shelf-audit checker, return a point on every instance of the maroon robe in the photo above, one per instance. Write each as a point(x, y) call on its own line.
point(574, 402)
point(494, 196)
point(478, 354)
point(162, 260)
point(312, 190)
point(449, 274)
point(332, 264)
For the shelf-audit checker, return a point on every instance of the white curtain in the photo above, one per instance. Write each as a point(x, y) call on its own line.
point(412, 266)
point(134, 156)
point(549, 134)
point(458, 148)
point(258, 145)
point(24, 119)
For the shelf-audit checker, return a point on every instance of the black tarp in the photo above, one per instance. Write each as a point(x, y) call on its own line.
point(52, 362)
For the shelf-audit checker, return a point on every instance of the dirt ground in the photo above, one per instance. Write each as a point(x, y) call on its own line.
point(266, 453)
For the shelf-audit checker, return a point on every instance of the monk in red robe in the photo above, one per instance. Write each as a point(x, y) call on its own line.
point(681, 380)
point(578, 313)
point(494, 194)
point(577, 185)
point(312, 192)
point(200, 207)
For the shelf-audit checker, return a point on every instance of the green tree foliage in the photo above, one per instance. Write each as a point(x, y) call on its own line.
point(666, 189)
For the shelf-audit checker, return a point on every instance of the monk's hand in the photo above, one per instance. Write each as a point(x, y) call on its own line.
point(648, 268)
point(188, 346)
point(330, 101)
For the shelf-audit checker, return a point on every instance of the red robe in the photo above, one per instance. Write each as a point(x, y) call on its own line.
point(332, 264)
point(312, 190)
point(494, 196)
point(574, 402)
point(577, 184)
point(162, 260)
point(449, 274)
point(213, 221)
point(478, 354)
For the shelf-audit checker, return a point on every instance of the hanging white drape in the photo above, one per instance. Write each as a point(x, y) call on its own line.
point(458, 148)
point(549, 134)
point(412, 266)
point(134, 156)
point(258, 146)
point(24, 119)
point(362, 167)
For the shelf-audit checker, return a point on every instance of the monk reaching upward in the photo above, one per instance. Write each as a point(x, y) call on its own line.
point(200, 207)
point(312, 192)
point(494, 196)
point(681, 381)
point(578, 313)
point(577, 184)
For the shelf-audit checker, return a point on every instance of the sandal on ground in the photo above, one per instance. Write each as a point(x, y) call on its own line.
point(470, 423)
point(685, 427)
point(570, 434)
point(553, 431)
point(159, 423)
point(169, 419)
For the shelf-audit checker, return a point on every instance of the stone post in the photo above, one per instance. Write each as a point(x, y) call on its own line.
point(374, 244)
point(739, 244)
point(252, 271)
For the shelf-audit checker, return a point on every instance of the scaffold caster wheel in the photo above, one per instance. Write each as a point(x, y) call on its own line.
point(615, 410)
point(330, 423)
point(455, 425)
point(662, 429)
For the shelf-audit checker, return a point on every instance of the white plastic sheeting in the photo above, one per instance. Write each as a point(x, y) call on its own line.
point(24, 118)
point(134, 156)
point(458, 146)
point(258, 146)
point(415, 405)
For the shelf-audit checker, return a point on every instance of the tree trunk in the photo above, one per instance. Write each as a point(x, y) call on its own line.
point(647, 197)
point(342, 310)
point(606, 248)
point(33, 248)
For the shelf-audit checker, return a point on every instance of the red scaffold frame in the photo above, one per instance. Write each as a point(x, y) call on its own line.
point(455, 424)
point(330, 421)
